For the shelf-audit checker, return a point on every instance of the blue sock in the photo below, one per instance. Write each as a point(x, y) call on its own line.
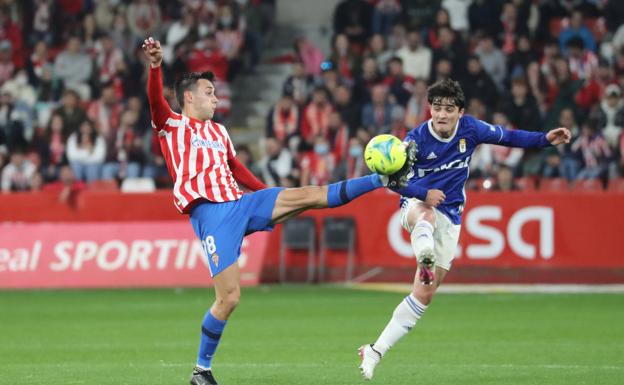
point(344, 192)
point(212, 329)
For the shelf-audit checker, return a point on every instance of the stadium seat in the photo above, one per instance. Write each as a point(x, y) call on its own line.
point(587, 185)
point(616, 185)
point(338, 234)
point(103, 185)
point(138, 185)
point(298, 234)
point(525, 183)
point(553, 184)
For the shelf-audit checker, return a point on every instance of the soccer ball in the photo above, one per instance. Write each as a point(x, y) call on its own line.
point(385, 154)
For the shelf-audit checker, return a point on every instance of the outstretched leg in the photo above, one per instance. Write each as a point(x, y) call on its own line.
point(293, 201)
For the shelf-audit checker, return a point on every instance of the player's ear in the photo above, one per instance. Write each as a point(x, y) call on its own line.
point(461, 112)
point(188, 97)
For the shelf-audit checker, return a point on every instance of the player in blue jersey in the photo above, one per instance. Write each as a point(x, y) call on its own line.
point(433, 201)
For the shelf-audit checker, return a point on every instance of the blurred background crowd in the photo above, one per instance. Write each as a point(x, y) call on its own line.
point(73, 111)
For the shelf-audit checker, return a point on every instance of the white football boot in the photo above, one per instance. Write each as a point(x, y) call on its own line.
point(370, 358)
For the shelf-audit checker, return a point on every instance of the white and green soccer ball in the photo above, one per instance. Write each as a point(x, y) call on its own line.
point(385, 154)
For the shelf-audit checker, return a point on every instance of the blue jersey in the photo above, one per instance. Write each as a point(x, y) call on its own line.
point(443, 163)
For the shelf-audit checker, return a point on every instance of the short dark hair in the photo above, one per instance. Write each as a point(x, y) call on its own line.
point(446, 89)
point(188, 82)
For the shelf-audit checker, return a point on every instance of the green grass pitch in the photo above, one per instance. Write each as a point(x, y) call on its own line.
point(309, 335)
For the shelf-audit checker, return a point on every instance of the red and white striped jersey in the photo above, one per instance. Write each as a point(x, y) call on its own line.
point(196, 152)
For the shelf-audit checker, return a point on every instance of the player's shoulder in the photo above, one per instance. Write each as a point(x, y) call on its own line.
point(418, 131)
point(470, 124)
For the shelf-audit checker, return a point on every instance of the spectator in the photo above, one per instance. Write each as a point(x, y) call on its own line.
point(283, 122)
point(521, 108)
point(310, 55)
point(458, 14)
point(521, 57)
point(562, 161)
point(144, 17)
point(377, 115)
point(110, 63)
point(6, 62)
point(492, 59)
point(14, 121)
point(317, 167)
point(42, 26)
point(67, 187)
point(577, 28)
point(352, 18)
point(399, 84)
point(315, 119)
point(346, 60)
point(479, 83)
point(230, 39)
point(504, 180)
point(74, 68)
point(206, 55)
point(594, 150)
point(86, 152)
point(452, 49)
point(377, 50)
point(37, 61)
point(105, 113)
point(583, 63)
point(369, 78)
point(11, 32)
point(16, 176)
point(611, 115)
point(415, 56)
point(299, 84)
point(348, 109)
point(277, 167)
point(385, 14)
point(352, 166)
point(417, 106)
point(420, 13)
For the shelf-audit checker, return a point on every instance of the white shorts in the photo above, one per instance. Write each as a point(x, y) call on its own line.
point(445, 234)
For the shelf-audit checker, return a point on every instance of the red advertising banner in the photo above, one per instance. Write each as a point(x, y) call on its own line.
point(515, 230)
point(142, 254)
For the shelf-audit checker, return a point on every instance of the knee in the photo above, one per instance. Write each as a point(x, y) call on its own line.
point(230, 300)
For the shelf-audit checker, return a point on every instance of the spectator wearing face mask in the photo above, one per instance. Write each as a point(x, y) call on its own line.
point(317, 167)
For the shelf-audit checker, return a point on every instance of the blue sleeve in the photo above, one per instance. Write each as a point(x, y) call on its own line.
point(412, 190)
point(488, 133)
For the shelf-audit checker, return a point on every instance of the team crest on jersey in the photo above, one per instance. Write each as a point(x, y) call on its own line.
point(462, 145)
point(215, 259)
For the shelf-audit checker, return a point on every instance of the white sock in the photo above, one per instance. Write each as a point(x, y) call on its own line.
point(403, 320)
point(422, 237)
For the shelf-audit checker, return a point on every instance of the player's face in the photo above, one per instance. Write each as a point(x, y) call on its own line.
point(444, 115)
point(204, 99)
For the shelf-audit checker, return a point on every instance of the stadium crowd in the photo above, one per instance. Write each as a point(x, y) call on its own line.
point(533, 65)
point(73, 111)
point(73, 107)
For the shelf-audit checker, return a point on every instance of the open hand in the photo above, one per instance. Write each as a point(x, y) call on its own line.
point(558, 136)
point(153, 51)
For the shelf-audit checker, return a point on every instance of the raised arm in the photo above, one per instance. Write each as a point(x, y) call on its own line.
point(489, 133)
point(159, 107)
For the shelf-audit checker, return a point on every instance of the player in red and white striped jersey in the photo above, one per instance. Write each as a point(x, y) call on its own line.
point(202, 162)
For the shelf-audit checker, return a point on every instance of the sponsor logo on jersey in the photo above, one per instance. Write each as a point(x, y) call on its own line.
point(215, 259)
point(462, 145)
point(432, 155)
point(197, 142)
point(457, 163)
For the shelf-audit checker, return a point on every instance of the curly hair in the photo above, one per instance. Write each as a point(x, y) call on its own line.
point(446, 89)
